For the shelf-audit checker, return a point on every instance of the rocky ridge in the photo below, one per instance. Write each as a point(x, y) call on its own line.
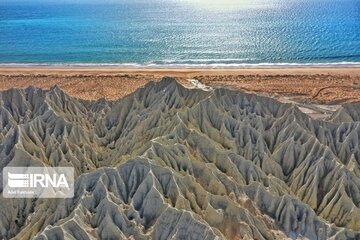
point(168, 162)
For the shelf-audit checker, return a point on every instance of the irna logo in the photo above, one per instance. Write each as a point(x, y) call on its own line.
point(39, 182)
point(36, 180)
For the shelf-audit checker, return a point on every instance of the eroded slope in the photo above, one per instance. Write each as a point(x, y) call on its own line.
point(171, 162)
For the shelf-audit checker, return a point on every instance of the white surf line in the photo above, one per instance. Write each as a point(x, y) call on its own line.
point(198, 84)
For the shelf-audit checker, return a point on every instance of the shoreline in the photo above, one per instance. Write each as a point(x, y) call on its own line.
point(182, 66)
point(353, 70)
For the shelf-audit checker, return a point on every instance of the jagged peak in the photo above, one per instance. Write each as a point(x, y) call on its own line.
point(168, 80)
point(349, 112)
point(56, 88)
point(168, 84)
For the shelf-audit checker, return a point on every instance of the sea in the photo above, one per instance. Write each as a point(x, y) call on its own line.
point(180, 33)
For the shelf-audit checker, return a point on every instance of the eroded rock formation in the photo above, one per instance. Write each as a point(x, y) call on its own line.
point(168, 162)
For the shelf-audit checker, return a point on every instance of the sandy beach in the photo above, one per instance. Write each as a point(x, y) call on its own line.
point(304, 85)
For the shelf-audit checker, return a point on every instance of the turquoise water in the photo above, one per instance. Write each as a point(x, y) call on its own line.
point(182, 33)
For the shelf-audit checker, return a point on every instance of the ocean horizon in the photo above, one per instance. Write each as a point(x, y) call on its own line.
point(181, 34)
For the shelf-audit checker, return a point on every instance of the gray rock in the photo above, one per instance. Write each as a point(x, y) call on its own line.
point(167, 162)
